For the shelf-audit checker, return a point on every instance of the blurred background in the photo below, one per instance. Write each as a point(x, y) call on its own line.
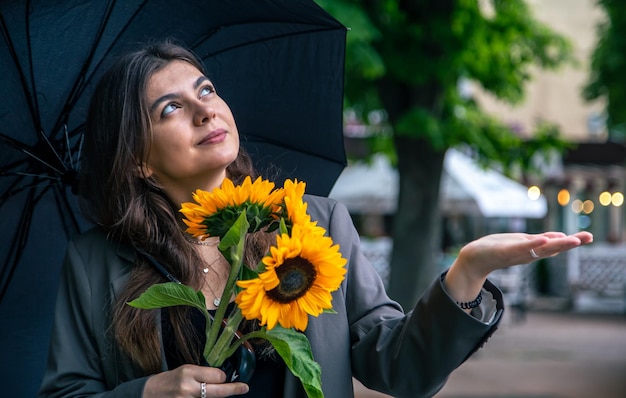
point(464, 118)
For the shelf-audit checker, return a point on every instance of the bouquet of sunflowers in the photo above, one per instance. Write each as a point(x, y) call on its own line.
point(294, 279)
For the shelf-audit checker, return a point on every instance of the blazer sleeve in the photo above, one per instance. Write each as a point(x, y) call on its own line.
point(79, 350)
point(404, 355)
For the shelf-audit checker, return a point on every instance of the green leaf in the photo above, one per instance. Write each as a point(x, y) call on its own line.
point(283, 226)
point(234, 238)
point(271, 227)
point(295, 349)
point(247, 274)
point(235, 233)
point(168, 295)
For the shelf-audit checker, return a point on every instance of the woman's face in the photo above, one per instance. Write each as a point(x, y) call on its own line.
point(194, 132)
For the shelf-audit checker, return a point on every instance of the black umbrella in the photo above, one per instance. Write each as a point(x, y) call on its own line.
point(278, 63)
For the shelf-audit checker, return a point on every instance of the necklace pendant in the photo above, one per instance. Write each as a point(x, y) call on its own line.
point(217, 301)
point(206, 270)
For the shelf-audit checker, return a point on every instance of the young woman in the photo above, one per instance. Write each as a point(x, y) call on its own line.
point(157, 130)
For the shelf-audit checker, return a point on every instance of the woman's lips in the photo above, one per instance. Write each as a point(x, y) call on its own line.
point(214, 137)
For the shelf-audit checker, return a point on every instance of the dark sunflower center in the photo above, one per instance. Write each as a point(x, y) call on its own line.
point(296, 276)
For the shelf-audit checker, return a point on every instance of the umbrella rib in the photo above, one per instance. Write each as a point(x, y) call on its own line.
point(14, 189)
point(79, 83)
point(11, 141)
point(312, 30)
point(18, 244)
point(18, 145)
point(30, 99)
point(80, 149)
point(69, 148)
point(78, 90)
point(9, 191)
point(35, 175)
point(23, 81)
point(40, 160)
point(54, 151)
point(62, 203)
point(38, 126)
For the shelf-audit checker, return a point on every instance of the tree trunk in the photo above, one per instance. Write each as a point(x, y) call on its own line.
point(417, 223)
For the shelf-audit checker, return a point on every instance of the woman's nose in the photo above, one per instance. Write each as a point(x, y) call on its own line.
point(204, 114)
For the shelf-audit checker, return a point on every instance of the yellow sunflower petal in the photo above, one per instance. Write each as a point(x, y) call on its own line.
point(299, 320)
point(271, 314)
point(269, 279)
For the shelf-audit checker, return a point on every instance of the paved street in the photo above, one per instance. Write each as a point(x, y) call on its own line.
point(548, 355)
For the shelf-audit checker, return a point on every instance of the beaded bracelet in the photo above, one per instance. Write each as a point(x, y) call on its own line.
point(468, 305)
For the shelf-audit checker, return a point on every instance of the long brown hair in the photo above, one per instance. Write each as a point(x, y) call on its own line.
point(132, 208)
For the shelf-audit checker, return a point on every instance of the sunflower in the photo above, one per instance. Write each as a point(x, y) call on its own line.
point(301, 272)
point(294, 208)
point(214, 212)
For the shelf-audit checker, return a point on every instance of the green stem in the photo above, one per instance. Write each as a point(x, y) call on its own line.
point(233, 347)
point(213, 330)
point(218, 355)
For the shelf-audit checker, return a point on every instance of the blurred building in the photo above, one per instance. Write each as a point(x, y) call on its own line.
point(595, 166)
point(582, 190)
point(555, 96)
point(585, 188)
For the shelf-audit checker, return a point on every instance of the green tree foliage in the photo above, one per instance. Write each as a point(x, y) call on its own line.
point(607, 79)
point(408, 57)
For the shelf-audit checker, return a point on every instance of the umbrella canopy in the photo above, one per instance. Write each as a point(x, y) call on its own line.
point(278, 64)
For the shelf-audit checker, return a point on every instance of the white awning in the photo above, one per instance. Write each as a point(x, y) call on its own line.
point(466, 188)
point(368, 189)
point(494, 194)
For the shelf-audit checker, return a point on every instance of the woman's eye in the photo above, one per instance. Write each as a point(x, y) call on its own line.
point(169, 108)
point(206, 90)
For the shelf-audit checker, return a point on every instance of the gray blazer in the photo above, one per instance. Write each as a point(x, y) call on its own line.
point(370, 337)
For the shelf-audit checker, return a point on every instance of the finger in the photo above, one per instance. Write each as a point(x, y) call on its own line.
point(226, 389)
point(585, 237)
point(211, 375)
point(557, 246)
point(554, 234)
point(199, 374)
point(532, 242)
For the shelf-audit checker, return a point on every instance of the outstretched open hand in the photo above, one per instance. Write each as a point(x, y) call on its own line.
point(480, 257)
point(496, 251)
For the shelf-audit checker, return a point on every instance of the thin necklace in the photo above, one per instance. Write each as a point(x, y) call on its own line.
point(217, 300)
point(202, 242)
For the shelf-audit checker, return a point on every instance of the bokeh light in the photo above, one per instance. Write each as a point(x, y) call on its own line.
point(617, 199)
point(534, 192)
point(605, 198)
point(577, 205)
point(563, 197)
point(588, 206)
point(584, 222)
